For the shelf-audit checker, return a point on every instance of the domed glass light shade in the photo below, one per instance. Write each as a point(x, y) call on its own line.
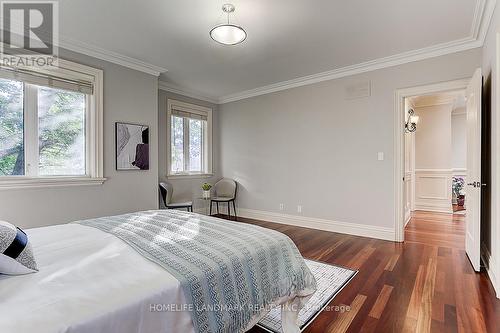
point(228, 34)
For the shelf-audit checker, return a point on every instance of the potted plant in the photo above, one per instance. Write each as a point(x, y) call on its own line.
point(206, 190)
point(458, 190)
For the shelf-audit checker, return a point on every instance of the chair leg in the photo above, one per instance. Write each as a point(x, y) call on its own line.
point(217, 207)
point(228, 209)
point(211, 204)
point(234, 207)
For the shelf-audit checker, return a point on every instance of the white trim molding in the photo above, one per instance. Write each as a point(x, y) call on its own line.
point(482, 18)
point(208, 138)
point(483, 13)
point(94, 131)
point(409, 195)
point(363, 230)
point(13, 183)
point(433, 190)
point(390, 61)
point(110, 56)
point(166, 86)
point(459, 172)
point(190, 176)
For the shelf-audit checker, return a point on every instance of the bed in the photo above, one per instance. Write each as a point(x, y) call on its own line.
point(94, 280)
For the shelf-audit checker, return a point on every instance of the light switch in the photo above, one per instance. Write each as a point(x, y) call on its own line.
point(380, 156)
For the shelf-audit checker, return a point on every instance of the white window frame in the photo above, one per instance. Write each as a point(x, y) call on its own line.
point(207, 140)
point(93, 131)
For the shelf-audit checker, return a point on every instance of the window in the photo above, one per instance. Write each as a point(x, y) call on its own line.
point(50, 126)
point(61, 132)
point(11, 128)
point(189, 139)
point(49, 122)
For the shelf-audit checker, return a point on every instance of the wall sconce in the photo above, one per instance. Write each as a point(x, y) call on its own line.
point(411, 122)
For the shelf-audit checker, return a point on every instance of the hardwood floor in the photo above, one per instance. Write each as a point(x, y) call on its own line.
point(423, 285)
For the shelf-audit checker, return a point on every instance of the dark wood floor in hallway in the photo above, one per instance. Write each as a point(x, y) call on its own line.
point(423, 285)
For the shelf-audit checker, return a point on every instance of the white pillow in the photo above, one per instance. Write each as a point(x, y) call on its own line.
point(16, 254)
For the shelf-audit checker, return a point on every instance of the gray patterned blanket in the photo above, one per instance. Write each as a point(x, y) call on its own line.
point(230, 272)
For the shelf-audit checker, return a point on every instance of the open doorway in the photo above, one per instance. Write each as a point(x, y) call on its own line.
point(435, 169)
point(435, 153)
point(426, 194)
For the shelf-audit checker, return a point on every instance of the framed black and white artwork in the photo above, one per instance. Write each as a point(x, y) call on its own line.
point(132, 146)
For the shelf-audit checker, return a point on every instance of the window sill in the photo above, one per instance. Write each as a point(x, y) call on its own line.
point(21, 182)
point(190, 176)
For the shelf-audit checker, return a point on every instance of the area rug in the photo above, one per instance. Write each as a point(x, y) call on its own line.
point(330, 281)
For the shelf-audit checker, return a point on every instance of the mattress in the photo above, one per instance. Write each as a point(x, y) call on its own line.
point(90, 282)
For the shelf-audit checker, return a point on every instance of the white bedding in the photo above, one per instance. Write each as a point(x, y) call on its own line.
point(89, 282)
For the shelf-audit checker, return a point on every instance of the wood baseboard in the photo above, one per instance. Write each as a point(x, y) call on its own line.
point(364, 230)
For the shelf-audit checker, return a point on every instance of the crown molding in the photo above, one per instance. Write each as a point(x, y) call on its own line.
point(476, 28)
point(110, 56)
point(162, 85)
point(391, 61)
point(483, 13)
point(482, 19)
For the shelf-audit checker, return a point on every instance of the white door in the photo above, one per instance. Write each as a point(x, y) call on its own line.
point(473, 188)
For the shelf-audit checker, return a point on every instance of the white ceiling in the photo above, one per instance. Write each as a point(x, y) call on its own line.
point(455, 98)
point(287, 39)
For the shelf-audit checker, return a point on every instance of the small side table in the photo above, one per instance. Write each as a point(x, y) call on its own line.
point(206, 204)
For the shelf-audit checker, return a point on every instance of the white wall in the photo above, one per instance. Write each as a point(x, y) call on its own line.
point(440, 153)
point(433, 137)
point(459, 144)
point(129, 96)
point(458, 139)
point(185, 188)
point(311, 146)
point(490, 230)
point(433, 158)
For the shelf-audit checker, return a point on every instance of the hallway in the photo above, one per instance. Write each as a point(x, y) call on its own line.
point(436, 229)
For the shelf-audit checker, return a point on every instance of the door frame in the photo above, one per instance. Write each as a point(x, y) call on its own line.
point(399, 146)
point(496, 187)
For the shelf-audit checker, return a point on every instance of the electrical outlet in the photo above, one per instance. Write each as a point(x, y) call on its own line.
point(299, 209)
point(282, 206)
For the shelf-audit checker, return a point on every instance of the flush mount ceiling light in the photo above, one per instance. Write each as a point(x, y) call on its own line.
point(228, 34)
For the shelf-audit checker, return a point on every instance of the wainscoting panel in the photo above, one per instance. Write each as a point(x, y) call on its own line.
point(433, 190)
